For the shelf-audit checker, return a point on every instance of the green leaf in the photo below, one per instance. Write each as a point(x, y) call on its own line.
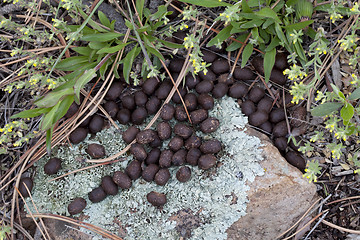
point(155, 52)
point(221, 36)
point(252, 24)
point(98, 45)
point(347, 112)
point(128, 62)
point(140, 7)
point(91, 22)
point(86, 51)
point(273, 44)
point(101, 37)
point(159, 14)
point(112, 49)
point(69, 63)
point(103, 19)
point(49, 134)
point(281, 36)
point(246, 54)
point(236, 45)
point(31, 113)
point(207, 3)
point(52, 98)
point(267, 23)
point(355, 95)
point(268, 12)
point(298, 26)
point(245, 7)
point(325, 109)
point(84, 79)
point(269, 61)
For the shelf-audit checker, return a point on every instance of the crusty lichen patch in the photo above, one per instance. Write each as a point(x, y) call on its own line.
point(218, 196)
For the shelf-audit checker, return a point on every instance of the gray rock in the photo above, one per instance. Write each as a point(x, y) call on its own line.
point(276, 200)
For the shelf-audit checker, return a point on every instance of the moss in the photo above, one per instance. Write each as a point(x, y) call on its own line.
point(208, 193)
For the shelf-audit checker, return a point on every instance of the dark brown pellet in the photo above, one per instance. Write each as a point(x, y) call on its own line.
point(277, 115)
point(176, 143)
point(206, 101)
point(162, 176)
point(190, 100)
point(243, 74)
point(180, 113)
point(179, 157)
point(78, 135)
point(164, 130)
point(167, 112)
point(183, 174)
point(76, 206)
point(193, 156)
point(277, 76)
point(149, 172)
point(97, 195)
point(96, 150)
point(281, 143)
point(183, 130)
point(209, 76)
point(153, 105)
point(296, 160)
point(133, 170)
point(29, 184)
point(145, 136)
point(153, 156)
point(198, 116)
point(266, 126)
point(193, 142)
point(176, 64)
point(256, 94)
point(128, 102)
point(72, 110)
point(140, 98)
point(130, 134)
point(220, 65)
point(150, 86)
point(164, 89)
point(111, 108)
point(211, 146)
point(208, 57)
point(280, 129)
point(257, 118)
point(258, 63)
point(165, 158)
point(191, 82)
point(209, 125)
point(138, 116)
point(248, 107)
point(204, 86)
point(52, 166)
point(114, 91)
point(220, 90)
point(96, 124)
point(123, 180)
point(109, 186)
point(238, 90)
point(206, 161)
point(265, 104)
point(156, 199)
point(176, 97)
point(138, 151)
point(123, 116)
point(157, 142)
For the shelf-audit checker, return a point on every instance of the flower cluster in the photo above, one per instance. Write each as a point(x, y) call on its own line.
point(295, 73)
point(230, 14)
point(312, 169)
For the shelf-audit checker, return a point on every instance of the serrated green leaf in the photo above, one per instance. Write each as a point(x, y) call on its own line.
point(325, 109)
point(31, 113)
point(87, 76)
point(112, 49)
point(128, 62)
point(269, 13)
point(68, 64)
point(103, 19)
point(246, 54)
point(101, 37)
point(221, 36)
point(347, 112)
point(298, 26)
point(269, 61)
point(355, 95)
point(52, 98)
point(207, 3)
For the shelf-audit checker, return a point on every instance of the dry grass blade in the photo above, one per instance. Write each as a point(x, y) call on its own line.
point(78, 223)
point(341, 228)
point(343, 199)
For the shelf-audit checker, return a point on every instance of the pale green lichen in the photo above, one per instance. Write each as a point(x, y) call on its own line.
point(205, 193)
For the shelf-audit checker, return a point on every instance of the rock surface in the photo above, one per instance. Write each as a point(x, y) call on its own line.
point(276, 200)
